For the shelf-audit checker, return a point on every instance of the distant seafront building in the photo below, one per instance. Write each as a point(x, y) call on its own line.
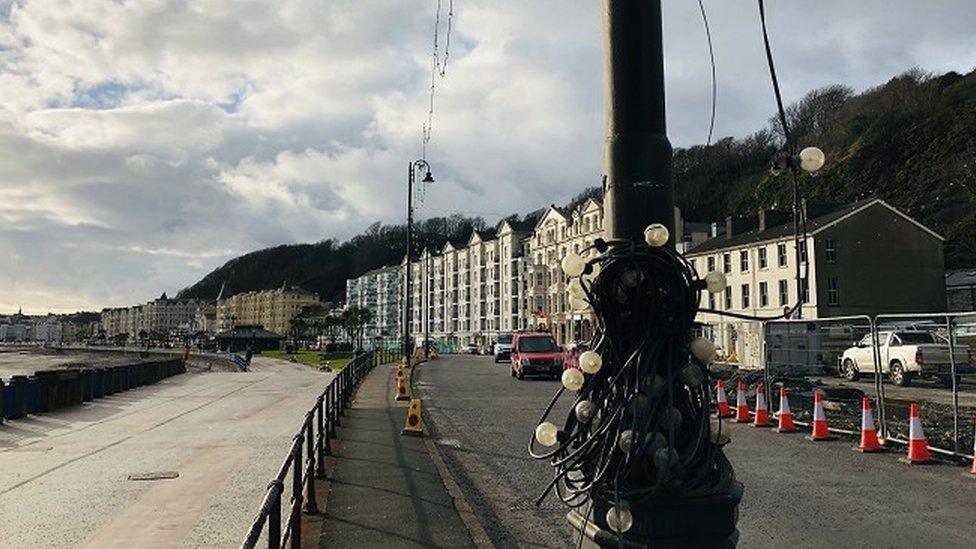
point(273, 310)
point(163, 316)
point(378, 290)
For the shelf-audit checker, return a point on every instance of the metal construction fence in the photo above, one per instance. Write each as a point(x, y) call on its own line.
point(895, 359)
point(305, 460)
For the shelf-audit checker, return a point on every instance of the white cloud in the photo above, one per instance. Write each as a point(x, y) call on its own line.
point(145, 142)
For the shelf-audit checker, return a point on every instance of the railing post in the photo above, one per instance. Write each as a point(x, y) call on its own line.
point(295, 530)
point(274, 515)
point(323, 439)
point(311, 505)
point(334, 409)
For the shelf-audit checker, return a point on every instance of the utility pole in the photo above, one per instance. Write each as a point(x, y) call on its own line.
point(637, 153)
point(639, 192)
point(412, 169)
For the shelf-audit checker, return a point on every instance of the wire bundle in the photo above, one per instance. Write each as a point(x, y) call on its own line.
point(639, 428)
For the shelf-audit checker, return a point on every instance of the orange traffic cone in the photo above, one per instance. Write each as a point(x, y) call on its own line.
point(785, 415)
point(820, 430)
point(869, 434)
point(918, 447)
point(741, 408)
point(762, 414)
point(721, 401)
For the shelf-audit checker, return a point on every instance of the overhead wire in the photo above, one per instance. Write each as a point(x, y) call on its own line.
point(799, 215)
point(438, 69)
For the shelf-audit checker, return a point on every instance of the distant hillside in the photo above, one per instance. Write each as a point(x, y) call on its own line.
point(910, 141)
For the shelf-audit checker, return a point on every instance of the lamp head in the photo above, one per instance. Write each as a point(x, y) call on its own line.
point(428, 178)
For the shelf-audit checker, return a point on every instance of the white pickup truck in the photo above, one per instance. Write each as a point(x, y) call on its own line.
point(906, 354)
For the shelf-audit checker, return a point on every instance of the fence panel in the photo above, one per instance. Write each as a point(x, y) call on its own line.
point(928, 359)
point(832, 356)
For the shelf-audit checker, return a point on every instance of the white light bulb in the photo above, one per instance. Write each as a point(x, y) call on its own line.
point(656, 235)
point(578, 303)
point(812, 159)
point(630, 278)
point(691, 375)
point(573, 264)
point(584, 411)
point(625, 440)
point(665, 457)
point(655, 441)
point(639, 404)
point(670, 418)
point(657, 385)
point(576, 289)
point(547, 434)
point(715, 282)
point(596, 421)
point(590, 362)
point(619, 519)
point(572, 379)
point(703, 349)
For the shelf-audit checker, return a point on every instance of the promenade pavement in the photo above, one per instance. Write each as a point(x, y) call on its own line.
point(64, 476)
point(385, 488)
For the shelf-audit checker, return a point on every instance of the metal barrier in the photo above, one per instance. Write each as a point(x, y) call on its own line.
point(948, 425)
point(834, 355)
point(306, 457)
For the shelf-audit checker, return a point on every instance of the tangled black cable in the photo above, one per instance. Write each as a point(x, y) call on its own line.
point(621, 442)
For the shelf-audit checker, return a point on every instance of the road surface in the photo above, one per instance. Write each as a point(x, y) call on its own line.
point(64, 480)
point(798, 493)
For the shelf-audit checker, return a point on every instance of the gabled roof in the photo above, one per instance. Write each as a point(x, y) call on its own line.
point(551, 210)
point(785, 230)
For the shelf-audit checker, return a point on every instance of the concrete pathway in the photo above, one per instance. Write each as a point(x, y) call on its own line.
point(64, 476)
point(386, 491)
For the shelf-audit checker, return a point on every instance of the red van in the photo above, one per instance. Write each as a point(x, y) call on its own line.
point(536, 353)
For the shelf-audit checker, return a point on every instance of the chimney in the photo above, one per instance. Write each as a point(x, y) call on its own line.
point(762, 220)
point(728, 227)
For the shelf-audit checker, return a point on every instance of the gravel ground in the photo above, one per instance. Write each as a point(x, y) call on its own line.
point(798, 493)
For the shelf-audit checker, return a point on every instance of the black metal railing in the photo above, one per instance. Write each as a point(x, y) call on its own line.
point(306, 457)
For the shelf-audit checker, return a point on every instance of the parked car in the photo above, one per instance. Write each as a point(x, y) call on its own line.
point(471, 349)
point(536, 354)
point(503, 347)
point(905, 355)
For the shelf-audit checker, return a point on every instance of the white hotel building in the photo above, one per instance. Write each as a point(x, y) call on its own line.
point(861, 258)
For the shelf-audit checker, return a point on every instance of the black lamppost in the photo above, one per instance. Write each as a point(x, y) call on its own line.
point(415, 167)
point(637, 457)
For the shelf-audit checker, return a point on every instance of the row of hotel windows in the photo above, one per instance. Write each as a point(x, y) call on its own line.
point(745, 298)
point(830, 256)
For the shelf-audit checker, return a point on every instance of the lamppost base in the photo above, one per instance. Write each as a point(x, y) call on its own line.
point(708, 522)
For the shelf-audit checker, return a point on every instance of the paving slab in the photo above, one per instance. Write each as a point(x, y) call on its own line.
point(64, 477)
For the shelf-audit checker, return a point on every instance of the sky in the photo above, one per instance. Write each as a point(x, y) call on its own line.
point(144, 143)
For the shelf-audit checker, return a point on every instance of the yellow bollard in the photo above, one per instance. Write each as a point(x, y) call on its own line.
point(415, 424)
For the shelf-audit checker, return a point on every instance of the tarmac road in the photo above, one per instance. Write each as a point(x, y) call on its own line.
point(798, 493)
